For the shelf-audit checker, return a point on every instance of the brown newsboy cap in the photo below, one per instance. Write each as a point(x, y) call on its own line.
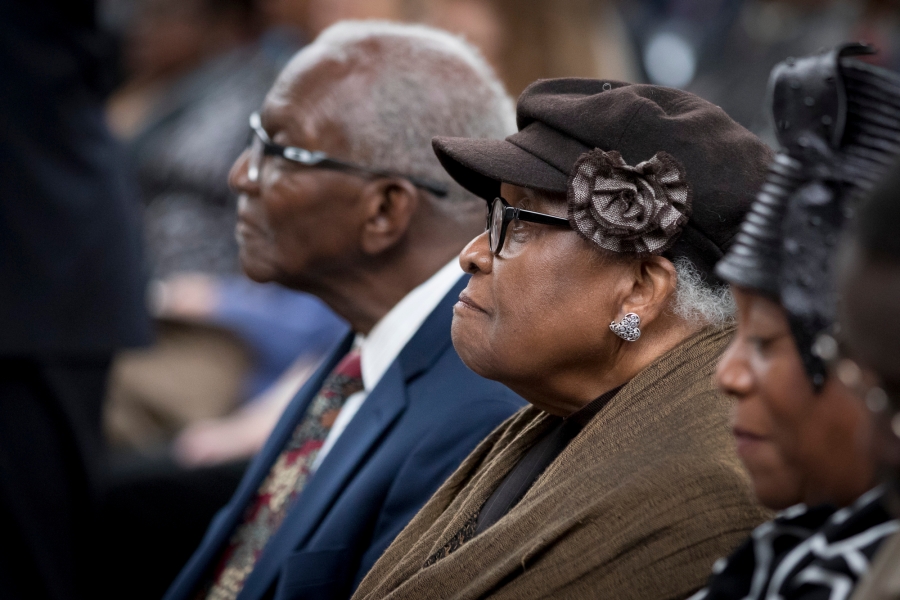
point(561, 119)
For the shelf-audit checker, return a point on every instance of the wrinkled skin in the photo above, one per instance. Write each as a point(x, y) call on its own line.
point(536, 318)
point(359, 243)
point(798, 446)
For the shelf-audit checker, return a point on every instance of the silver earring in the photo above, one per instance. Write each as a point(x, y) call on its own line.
point(628, 328)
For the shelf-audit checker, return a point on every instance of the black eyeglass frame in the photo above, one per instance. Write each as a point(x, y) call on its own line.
point(318, 159)
point(511, 213)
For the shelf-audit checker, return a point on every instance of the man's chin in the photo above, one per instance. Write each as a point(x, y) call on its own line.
point(256, 270)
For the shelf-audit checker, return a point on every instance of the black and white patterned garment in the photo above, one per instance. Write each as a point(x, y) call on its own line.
point(816, 553)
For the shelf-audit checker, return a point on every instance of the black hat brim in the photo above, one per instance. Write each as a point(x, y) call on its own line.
point(480, 165)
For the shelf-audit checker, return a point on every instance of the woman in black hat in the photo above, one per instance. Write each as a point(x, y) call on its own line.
point(838, 122)
point(592, 296)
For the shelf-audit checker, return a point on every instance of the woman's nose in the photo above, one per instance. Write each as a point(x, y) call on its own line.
point(477, 256)
point(733, 374)
point(238, 179)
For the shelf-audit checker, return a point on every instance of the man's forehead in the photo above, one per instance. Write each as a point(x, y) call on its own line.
point(298, 102)
point(304, 84)
point(305, 81)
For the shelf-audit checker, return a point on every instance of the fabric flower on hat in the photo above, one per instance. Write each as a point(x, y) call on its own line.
point(637, 209)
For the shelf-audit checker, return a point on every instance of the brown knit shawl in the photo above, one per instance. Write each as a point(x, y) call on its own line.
point(637, 507)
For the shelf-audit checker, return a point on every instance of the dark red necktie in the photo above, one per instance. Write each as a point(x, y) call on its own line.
point(284, 482)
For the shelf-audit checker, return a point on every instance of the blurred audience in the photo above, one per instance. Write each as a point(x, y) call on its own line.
point(797, 421)
point(524, 40)
point(723, 50)
point(72, 293)
point(193, 375)
point(527, 40)
point(333, 201)
point(324, 13)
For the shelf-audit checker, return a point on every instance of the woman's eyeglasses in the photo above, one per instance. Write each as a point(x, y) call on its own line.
point(500, 214)
point(261, 146)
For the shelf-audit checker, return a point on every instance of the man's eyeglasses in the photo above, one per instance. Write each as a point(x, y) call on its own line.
point(500, 214)
point(261, 146)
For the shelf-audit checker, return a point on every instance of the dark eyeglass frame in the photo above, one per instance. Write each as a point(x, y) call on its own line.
point(321, 160)
point(501, 220)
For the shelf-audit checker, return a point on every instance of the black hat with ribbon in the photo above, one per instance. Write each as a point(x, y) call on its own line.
point(838, 123)
point(646, 169)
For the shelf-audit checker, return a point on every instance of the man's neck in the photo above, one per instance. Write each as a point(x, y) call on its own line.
point(365, 296)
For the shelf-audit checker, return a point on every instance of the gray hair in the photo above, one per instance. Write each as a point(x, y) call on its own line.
point(699, 302)
point(428, 83)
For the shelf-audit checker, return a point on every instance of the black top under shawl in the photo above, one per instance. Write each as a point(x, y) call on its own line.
point(522, 476)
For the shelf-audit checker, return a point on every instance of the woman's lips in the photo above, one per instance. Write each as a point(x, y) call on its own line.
point(466, 302)
point(747, 441)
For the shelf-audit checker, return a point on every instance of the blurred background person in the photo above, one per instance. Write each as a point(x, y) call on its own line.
point(527, 40)
point(196, 69)
point(782, 275)
point(524, 40)
point(723, 50)
point(870, 287)
point(321, 14)
point(72, 292)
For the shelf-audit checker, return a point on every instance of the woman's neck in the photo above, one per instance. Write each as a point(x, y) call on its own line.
point(567, 390)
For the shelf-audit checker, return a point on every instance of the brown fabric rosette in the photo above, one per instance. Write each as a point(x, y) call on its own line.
point(637, 209)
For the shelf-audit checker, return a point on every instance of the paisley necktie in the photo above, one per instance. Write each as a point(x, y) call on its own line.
point(284, 482)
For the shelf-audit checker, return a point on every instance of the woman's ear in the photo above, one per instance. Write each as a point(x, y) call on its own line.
point(654, 285)
point(390, 204)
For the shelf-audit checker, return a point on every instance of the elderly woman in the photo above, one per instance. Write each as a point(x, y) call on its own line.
point(837, 143)
point(592, 297)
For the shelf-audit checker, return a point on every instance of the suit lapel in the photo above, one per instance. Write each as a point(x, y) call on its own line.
point(261, 465)
point(351, 448)
point(384, 404)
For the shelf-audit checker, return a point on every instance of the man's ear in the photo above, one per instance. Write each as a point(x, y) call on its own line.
point(389, 205)
point(653, 287)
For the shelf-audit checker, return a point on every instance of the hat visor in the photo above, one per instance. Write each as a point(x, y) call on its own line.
point(480, 165)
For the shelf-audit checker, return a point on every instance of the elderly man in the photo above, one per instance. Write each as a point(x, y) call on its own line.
point(340, 196)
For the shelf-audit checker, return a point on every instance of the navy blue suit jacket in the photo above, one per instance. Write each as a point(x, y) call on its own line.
point(415, 427)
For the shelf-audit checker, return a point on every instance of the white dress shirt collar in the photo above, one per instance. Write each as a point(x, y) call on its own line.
point(386, 340)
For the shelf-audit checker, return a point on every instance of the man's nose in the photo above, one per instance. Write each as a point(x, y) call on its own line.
point(477, 256)
point(238, 178)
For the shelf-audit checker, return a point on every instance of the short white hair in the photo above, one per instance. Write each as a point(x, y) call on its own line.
point(428, 83)
point(698, 301)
